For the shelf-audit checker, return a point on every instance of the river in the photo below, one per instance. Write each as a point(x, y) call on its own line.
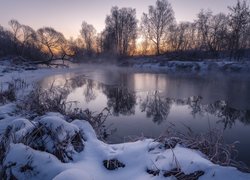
point(150, 104)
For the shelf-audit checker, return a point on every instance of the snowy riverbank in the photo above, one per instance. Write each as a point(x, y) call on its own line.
point(52, 147)
point(90, 158)
point(163, 65)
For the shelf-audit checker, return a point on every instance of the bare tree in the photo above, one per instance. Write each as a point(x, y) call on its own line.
point(88, 33)
point(6, 42)
point(181, 37)
point(16, 29)
point(23, 39)
point(204, 29)
point(16, 32)
point(75, 48)
point(157, 21)
point(219, 33)
point(145, 47)
point(99, 43)
point(51, 41)
point(28, 39)
point(120, 31)
point(212, 32)
point(239, 19)
point(29, 34)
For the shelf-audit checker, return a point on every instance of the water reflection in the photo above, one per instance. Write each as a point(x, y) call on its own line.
point(123, 101)
point(155, 106)
point(158, 108)
point(228, 115)
point(120, 100)
point(144, 103)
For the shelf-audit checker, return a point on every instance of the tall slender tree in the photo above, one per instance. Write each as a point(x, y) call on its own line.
point(88, 33)
point(120, 31)
point(239, 19)
point(157, 21)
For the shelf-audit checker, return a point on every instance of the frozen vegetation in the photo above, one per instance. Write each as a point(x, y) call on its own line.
point(72, 151)
point(53, 146)
point(164, 65)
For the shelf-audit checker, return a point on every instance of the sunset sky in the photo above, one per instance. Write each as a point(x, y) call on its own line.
point(66, 16)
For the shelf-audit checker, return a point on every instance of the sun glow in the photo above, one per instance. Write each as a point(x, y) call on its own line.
point(140, 40)
point(144, 46)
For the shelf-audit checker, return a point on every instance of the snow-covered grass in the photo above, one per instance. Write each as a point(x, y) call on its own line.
point(191, 66)
point(11, 72)
point(50, 146)
point(144, 159)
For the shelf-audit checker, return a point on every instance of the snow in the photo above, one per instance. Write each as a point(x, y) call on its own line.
point(34, 74)
point(25, 162)
point(28, 163)
point(76, 174)
point(193, 66)
point(54, 122)
point(44, 165)
point(6, 110)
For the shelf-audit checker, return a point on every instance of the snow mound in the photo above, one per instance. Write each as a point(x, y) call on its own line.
point(145, 159)
point(50, 133)
point(24, 162)
point(76, 174)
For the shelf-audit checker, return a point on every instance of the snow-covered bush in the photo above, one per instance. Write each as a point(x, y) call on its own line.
point(50, 133)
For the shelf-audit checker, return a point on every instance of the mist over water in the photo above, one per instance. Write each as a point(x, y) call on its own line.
point(146, 104)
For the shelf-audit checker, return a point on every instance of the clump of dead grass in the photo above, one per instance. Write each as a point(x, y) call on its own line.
point(210, 143)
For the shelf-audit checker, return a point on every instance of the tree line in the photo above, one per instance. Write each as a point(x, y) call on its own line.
point(208, 36)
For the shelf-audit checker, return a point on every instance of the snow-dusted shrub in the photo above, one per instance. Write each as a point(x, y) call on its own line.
point(50, 133)
point(210, 144)
point(8, 95)
point(177, 173)
point(40, 101)
point(113, 164)
point(180, 175)
point(23, 162)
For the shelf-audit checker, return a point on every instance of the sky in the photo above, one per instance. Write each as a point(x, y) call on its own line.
point(66, 16)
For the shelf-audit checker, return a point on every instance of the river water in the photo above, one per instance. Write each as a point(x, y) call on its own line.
point(149, 104)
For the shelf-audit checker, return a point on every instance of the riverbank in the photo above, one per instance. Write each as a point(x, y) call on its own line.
point(162, 64)
point(72, 151)
point(69, 149)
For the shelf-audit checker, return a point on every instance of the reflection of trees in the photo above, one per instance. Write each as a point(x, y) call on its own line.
point(228, 115)
point(77, 81)
point(220, 109)
point(89, 91)
point(89, 87)
point(156, 107)
point(120, 100)
point(194, 103)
